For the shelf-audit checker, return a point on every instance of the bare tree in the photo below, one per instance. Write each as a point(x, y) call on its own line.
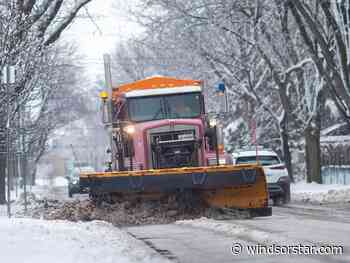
point(328, 43)
point(256, 49)
point(27, 29)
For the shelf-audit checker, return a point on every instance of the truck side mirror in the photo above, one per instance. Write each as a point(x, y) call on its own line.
point(210, 133)
point(129, 147)
point(106, 112)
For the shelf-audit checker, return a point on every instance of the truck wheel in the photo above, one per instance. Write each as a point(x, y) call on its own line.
point(278, 201)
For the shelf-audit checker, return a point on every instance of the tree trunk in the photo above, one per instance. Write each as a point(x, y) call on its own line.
point(313, 154)
point(32, 176)
point(285, 148)
point(2, 179)
point(12, 172)
point(312, 143)
point(2, 158)
point(287, 155)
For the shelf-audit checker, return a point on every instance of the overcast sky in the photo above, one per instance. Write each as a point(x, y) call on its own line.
point(113, 24)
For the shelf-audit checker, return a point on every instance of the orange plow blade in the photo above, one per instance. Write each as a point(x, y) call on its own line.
point(229, 186)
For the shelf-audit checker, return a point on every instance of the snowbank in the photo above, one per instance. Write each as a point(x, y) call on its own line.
point(44, 170)
point(54, 181)
point(320, 193)
point(61, 181)
point(3, 211)
point(240, 231)
point(36, 241)
point(229, 228)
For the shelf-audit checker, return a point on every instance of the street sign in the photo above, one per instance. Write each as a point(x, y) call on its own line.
point(221, 90)
point(221, 87)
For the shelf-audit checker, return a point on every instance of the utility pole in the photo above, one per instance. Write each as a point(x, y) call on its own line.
point(108, 79)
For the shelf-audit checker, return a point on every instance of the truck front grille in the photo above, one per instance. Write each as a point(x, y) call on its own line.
point(174, 149)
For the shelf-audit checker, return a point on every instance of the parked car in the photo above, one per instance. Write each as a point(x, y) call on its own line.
point(73, 179)
point(277, 178)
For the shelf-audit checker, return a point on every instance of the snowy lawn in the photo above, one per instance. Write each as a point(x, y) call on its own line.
point(36, 241)
point(3, 211)
point(320, 193)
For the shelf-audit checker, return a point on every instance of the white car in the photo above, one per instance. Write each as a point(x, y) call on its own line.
point(277, 178)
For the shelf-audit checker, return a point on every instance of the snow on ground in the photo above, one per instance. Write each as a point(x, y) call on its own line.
point(56, 189)
point(228, 228)
point(60, 181)
point(320, 193)
point(36, 241)
point(3, 210)
point(239, 231)
point(56, 181)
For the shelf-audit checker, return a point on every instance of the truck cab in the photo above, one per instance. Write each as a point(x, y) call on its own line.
point(164, 126)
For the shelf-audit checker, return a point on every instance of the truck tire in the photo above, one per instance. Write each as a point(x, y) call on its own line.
point(278, 201)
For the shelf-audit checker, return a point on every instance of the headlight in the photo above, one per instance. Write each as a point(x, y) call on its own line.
point(75, 181)
point(222, 161)
point(129, 129)
point(212, 122)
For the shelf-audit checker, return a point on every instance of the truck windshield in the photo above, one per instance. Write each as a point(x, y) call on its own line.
point(165, 107)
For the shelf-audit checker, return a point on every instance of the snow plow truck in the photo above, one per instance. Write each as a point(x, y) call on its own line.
point(163, 143)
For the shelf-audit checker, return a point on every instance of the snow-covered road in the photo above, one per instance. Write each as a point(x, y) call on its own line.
point(36, 241)
point(206, 240)
point(200, 240)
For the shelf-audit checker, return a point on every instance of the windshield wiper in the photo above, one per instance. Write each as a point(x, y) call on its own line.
point(166, 108)
point(161, 110)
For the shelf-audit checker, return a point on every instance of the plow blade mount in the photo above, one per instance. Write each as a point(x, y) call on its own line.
point(230, 186)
